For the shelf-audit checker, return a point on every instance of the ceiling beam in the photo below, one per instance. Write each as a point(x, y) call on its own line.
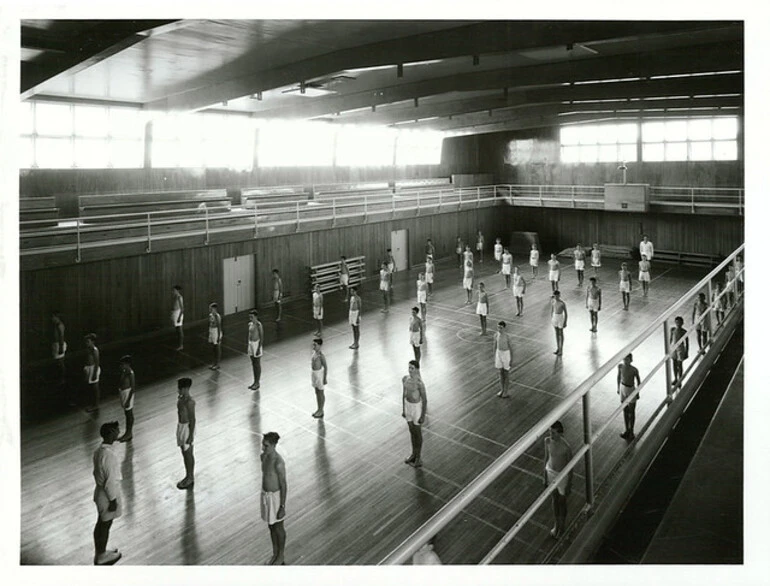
point(475, 39)
point(68, 56)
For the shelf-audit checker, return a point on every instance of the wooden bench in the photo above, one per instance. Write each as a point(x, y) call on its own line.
point(327, 275)
point(694, 259)
point(40, 210)
point(182, 202)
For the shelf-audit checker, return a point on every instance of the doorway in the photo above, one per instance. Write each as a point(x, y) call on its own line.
point(238, 283)
point(399, 248)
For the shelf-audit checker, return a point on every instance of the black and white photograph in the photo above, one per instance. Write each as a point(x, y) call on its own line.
point(364, 287)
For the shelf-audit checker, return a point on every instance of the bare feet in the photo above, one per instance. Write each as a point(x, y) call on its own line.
point(185, 483)
point(409, 460)
point(318, 414)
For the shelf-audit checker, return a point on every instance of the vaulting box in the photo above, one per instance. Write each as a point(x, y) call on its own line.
point(627, 197)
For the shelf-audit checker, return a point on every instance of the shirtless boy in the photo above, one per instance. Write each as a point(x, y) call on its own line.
point(625, 284)
point(92, 371)
point(519, 289)
point(215, 334)
point(58, 346)
point(502, 353)
point(534, 259)
point(644, 274)
point(682, 351)
point(318, 376)
point(558, 320)
point(593, 302)
point(558, 454)
point(554, 272)
point(580, 263)
point(596, 258)
point(429, 273)
point(318, 310)
point(177, 315)
point(422, 295)
point(459, 250)
point(468, 280)
point(468, 254)
point(254, 345)
point(127, 390)
point(416, 333)
point(414, 409)
point(354, 317)
point(277, 294)
point(344, 277)
point(498, 250)
point(480, 245)
point(703, 329)
point(506, 261)
point(185, 431)
point(628, 379)
point(482, 308)
point(385, 281)
point(273, 497)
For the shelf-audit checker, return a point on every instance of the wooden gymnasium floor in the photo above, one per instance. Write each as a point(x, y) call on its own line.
point(351, 498)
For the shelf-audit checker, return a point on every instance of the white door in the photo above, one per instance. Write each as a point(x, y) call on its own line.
point(398, 246)
point(238, 283)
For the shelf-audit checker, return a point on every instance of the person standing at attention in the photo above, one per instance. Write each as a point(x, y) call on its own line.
point(646, 248)
point(385, 277)
point(277, 294)
point(498, 251)
point(580, 263)
point(459, 250)
point(92, 371)
point(558, 454)
point(318, 310)
point(416, 333)
point(127, 390)
point(185, 431)
point(215, 334)
point(429, 272)
point(502, 353)
point(468, 254)
point(318, 370)
point(625, 285)
point(554, 272)
point(534, 259)
point(482, 308)
point(628, 378)
point(177, 315)
point(682, 351)
point(596, 259)
point(703, 329)
point(254, 347)
point(344, 277)
point(430, 250)
point(106, 494)
point(644, 274)
point(273, 497)
point(480, 245)
point(593, 302)
point(505, 266)
point(468, 280)
point(519, 289)
point(558, 320)
point(422, 295)
point(354, 317)
point(414, 409)
point(59, 347)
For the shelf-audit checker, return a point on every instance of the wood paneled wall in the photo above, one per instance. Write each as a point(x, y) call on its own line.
point(123, 297)
point(562, 228)
point(67, 184)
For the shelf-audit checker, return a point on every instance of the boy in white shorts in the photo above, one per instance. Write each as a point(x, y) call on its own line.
point(558, 320)
point(127, 389)
point(422, 295)
point(534, 259)
point(580, 263)
point(318, 376)
point(92, 371)
point(506, 261)
point(482, 308)
point(519, 289)
point(215, 334)
point(177, 315)
point(385, 286)
point(502, 353)
point(318, 309)
point(468, 280)
point(596, 258)
point(254, 350)
point(429, 271)
point(480, 245)
point(416, 333)
point(644, 274)
point(625, 284)
point(594, 303)
point(498, 250)
point(354, 317)
point(554, 272)
point(344, 277)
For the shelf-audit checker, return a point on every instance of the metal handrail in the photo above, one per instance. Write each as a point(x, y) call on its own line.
point(456, 505)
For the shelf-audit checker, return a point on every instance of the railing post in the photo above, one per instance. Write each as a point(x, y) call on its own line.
point(393, 207)
point(440, 191)
point(589, 463)
point(478, 196)
point(255, 219)
point(740, 202)
point(77, 251)
point(712, 319)
point(510, 191)
point(149, 234)
point(334, 211)
point(667, 349)
point(540, 194)
point(418, 203)
point(297, 203)
point(460, 202)
point(692, 200)
point(206, 241)
point(572, 190)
